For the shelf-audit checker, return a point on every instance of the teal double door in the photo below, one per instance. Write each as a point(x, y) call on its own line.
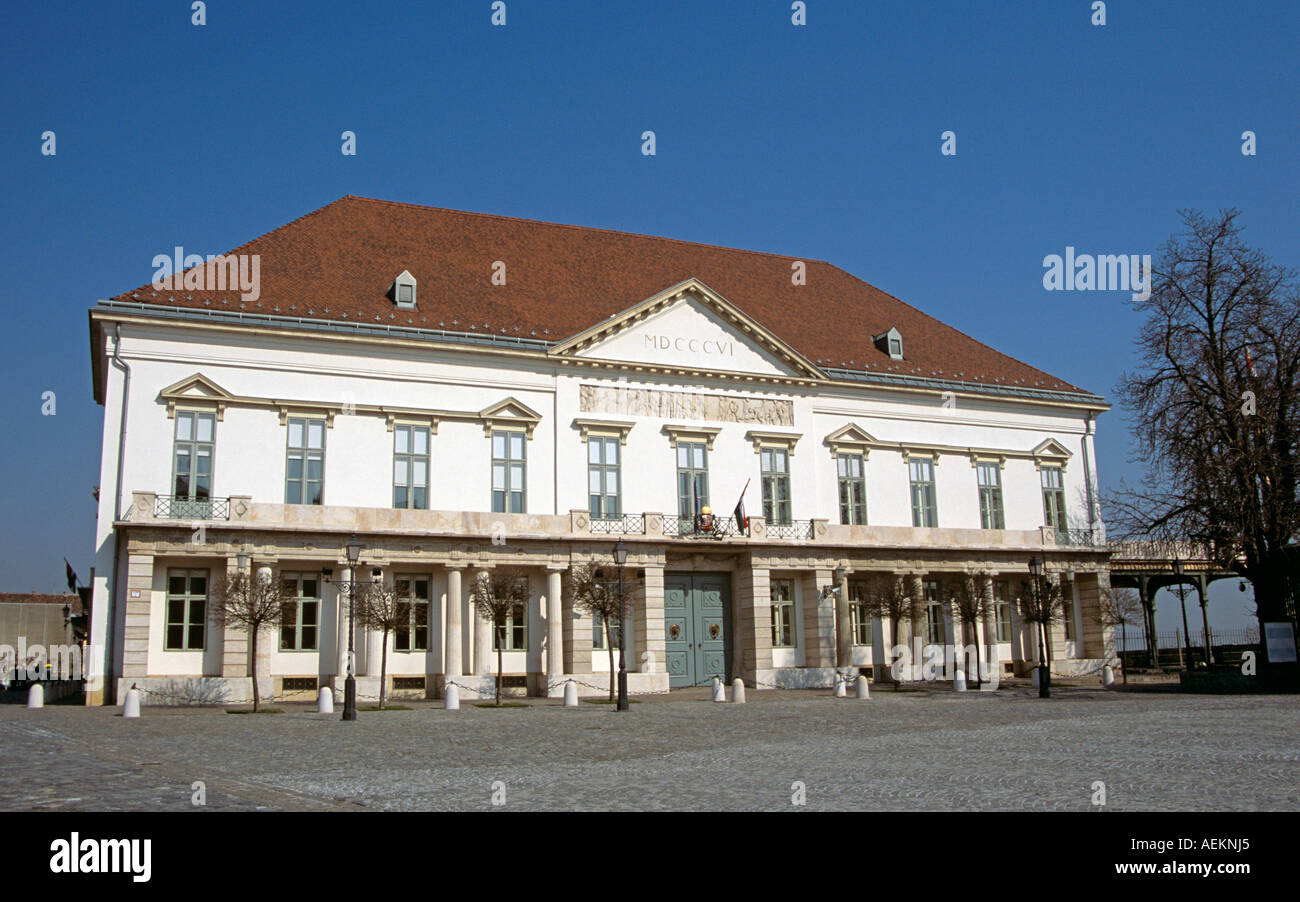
point(697, 627)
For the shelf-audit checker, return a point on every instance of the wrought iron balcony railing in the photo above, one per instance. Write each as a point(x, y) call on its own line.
point(171, 507)
point(627, 524)
point(796, 529)
point(701, 527)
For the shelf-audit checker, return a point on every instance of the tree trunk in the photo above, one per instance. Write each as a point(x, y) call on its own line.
point(383, 670)
point(253, 637)
point(609, 641)
point(893, 635)
point(501, 644)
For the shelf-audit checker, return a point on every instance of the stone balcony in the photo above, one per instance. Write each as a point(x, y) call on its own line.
point(149, 508)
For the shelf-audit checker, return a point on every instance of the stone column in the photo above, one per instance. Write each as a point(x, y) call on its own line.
point(651, 650)
point(553, 653)
point(1091, 636)
point(577, 635)
point(988, 626)
point(818, 619)
point(918, 626)
point(234, 642)
point(754, 605)
point(1018, 656)
point(482, 640)
point(139, 597)
point(879, 636)
point(452, 636)
point(843, 623)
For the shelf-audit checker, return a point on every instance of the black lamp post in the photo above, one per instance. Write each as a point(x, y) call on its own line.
point(620, 558)
point(1182, 603)
point(350, 684)
point(1044, 675)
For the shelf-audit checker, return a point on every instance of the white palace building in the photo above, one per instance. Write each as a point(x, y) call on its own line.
point(466, 392)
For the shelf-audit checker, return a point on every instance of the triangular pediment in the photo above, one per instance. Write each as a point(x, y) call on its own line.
point(1051, 449)
point(689, 327)
point(197, 386)
point(850, 437)
point(509, 413)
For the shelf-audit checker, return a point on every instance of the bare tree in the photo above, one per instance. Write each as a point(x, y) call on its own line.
point(1119, 608)
point(1216, 407)
point(595, 592)
point(886, 597)
point(1042, 604)
point(494, 595)
point(249, 603)
point(972, 606)
point(388, 609)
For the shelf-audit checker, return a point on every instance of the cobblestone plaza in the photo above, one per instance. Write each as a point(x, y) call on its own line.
point(923, 750)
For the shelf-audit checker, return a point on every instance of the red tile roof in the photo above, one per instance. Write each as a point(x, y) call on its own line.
point(339, 263)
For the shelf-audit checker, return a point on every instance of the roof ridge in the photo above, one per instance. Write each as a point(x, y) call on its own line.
point(581, 228)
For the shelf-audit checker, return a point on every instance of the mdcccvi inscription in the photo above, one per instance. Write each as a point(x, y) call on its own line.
point(673, 405)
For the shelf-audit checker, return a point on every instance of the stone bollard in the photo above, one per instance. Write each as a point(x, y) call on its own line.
point(864, 690)
point(1108, 676)
point(1035, 677)
point(131, 707)
point(719, 695)
point(325, 700)
point(570, 694)
point(841, 690)
point(36, 696)
point(959, 681)
point(738, 691)
point(451, 697)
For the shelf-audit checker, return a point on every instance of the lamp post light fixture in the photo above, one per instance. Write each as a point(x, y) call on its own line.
point(353, 549)
point(620, 558)
point(1182, 603)
point(1044, 672)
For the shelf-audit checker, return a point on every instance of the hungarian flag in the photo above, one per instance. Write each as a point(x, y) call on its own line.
point(72, 576)
point(742, 522)
point(1250, 364)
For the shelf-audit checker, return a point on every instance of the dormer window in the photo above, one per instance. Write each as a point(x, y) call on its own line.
point(891, 343)
point(404, 291)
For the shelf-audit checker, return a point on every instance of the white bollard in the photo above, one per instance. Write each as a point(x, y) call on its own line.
point(841, 690)
point(451, 697)
point(131, 707)
point(36, 696)
point(864, 690)
point(325, 701)
point(1108, 676)
point(959, 681)
point(719, 694)
point(570, 694)
point(738, 691)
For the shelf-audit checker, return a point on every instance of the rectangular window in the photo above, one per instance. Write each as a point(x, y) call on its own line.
point(411, 467)
point(1053, 498)
point(516, 624)
point(300, 612)
point(692, 478)
point(508, 472)
point(192, 450)
point(305, 463)
point(989, 477)
point(603, 477)
point(853, 489)
point(934, 625)
point(412, 633)
point(859, 614)
point(1067, 608)
point(187, 604)
point(598, 631)
point(923, 506)
point(774, 466)
point(1002, 610)
point(782, 591)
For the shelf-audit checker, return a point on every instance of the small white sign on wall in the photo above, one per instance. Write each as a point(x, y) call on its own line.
point(1279, 639)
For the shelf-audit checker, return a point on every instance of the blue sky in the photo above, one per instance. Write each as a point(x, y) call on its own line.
point(820, 141)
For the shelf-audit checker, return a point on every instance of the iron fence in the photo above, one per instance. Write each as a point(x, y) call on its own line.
point(627, 524)
point(171, 507)
point(797, 529)
point(700, 527)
